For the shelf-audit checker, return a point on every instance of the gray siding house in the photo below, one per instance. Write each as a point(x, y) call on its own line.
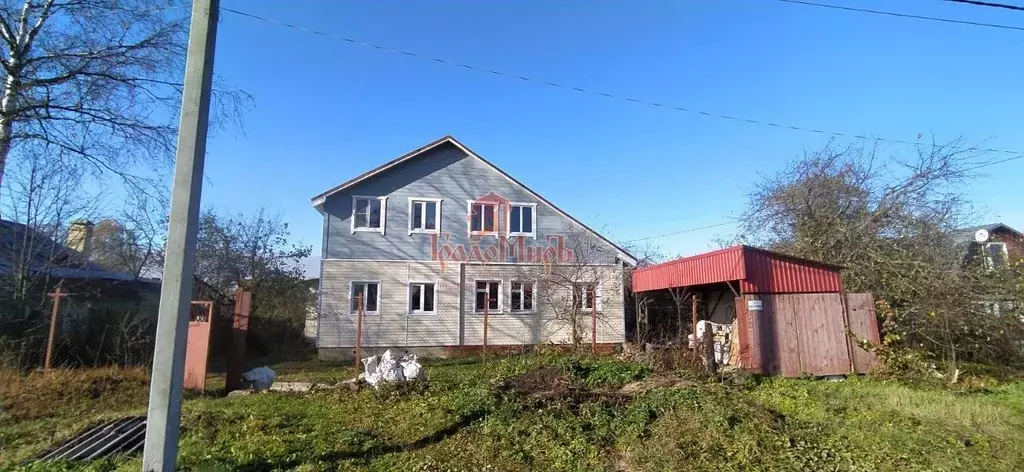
point(427, 243)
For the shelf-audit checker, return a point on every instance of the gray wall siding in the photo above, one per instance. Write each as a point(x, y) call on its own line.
point(445, 173)
point(456, 322)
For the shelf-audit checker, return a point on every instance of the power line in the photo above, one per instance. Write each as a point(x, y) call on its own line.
point(989, 4)
point(589, 91)
point(727, 223)
point(903, 15)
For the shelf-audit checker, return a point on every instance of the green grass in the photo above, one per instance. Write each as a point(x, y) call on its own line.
point(463, 421)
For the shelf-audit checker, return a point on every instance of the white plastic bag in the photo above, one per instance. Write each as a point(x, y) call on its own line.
point(261, 378)
point(388, 369)
point(410, 368)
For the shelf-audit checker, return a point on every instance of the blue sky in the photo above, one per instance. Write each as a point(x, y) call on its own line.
point(326, 110)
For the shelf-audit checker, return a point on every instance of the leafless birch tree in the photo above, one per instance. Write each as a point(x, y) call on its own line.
point(98, 80)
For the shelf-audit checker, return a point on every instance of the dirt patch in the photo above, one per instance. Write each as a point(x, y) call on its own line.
point(550, 385)
point(653, 382)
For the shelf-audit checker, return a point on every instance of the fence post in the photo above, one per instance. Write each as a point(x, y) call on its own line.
point(54, 314)
point(694, 332)
point(239, 333)
point(487, 305)
point(359, 333)
point(593, 319)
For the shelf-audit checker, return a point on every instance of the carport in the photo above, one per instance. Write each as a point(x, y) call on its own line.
point(789, 315)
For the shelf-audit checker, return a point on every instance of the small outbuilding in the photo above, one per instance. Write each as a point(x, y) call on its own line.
point(773, 313)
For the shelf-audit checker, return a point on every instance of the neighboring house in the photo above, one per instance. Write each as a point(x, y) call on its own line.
point(33, 264)
point(428, 242)
point(998, 243)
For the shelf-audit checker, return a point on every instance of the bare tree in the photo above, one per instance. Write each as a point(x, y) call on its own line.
point(133, 241)
point(891, 223)
point(43, 196)
point(573, 292)
point(96, 79)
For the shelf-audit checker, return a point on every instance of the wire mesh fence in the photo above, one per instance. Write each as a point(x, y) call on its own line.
point(83, 338)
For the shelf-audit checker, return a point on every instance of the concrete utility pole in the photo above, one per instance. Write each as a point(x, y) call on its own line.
point(164, 415)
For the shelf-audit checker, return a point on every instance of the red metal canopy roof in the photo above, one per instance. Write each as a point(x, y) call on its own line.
point(757, 271)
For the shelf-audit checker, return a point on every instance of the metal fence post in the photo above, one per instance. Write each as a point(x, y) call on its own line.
point(359, 333)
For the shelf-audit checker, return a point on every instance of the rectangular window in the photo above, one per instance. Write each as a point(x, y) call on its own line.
point(482, 217)
point(365, 295)
point(522, 297)
point(585, 296)
point(522, 219)
point(488, 293)
point(995, 255)
point(421, 298)
point(424, 215)
point(368, 213)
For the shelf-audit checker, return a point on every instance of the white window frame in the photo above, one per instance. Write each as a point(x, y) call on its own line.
point(598, 296)
point(533, 300)
point(352, 291)
point(412, 202)
point(408, 298)
point(383, 213)
point(501, 296)
point(469, 219)
point(533, 220)
point(990, 264)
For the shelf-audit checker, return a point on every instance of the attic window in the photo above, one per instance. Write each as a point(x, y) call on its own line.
point(482, 217)
point(995, 255)
point(368, 213)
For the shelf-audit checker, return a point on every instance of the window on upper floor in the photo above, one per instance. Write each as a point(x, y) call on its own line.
point(365, 296)
point(522, 219)
point(424, 215)
point(522, 296)
point(586, 296)
point(482, 218)
point(996, 256)
point(488, 294)
point(368, 213)
point(422, 296)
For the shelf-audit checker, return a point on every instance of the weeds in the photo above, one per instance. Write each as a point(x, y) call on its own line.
point(474, 416)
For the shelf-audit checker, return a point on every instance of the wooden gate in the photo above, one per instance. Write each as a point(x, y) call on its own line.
point(805, 334)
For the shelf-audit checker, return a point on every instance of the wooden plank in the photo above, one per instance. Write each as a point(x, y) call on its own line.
point(789, 345)
point(863, 324)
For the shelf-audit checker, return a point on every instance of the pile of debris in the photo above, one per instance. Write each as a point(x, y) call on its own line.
point(386, 368)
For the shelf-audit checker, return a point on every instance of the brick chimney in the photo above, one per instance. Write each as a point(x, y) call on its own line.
point(80, 236)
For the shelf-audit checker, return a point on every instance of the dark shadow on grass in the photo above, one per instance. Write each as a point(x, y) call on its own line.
point(381, 449)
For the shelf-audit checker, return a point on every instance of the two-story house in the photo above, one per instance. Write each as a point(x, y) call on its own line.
point(429, 245)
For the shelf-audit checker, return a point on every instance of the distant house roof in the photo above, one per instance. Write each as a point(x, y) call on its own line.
point(319, 200)
point(966, 235)
point(46, 256)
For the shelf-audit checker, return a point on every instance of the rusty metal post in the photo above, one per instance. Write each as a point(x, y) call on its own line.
point(54, 314)
point(487, 305)
point(239, 334)
point(593, 319)
point(694, 332)
point(359, 333)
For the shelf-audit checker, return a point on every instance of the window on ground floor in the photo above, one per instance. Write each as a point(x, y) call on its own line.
point(488, 294)
point(586, 296)
point(422, 296)
point(365, 296)
point(522, 296)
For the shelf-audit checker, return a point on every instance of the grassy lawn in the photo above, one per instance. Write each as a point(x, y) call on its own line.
point(541, 413)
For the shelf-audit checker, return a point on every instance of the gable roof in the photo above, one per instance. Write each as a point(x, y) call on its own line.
point(319, 200)
point(46, 256)
point(966, 235)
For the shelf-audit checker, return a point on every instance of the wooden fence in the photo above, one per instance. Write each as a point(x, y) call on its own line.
point(806, 334)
